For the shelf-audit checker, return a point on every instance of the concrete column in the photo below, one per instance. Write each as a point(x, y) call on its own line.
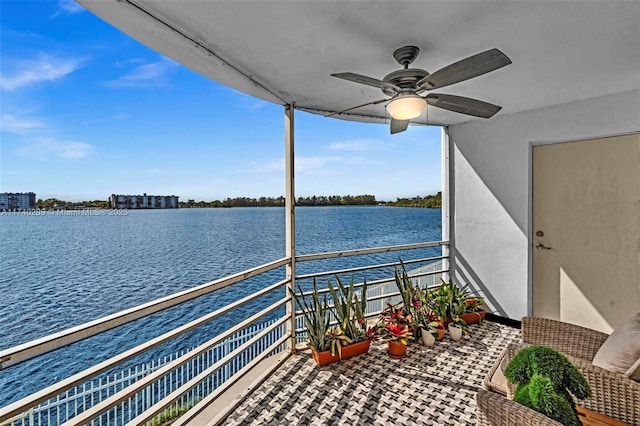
point(446, 220)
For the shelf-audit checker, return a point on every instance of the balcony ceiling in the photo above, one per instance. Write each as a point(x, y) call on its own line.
point(284, 52)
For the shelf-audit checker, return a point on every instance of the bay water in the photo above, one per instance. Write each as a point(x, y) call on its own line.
point(60, 269)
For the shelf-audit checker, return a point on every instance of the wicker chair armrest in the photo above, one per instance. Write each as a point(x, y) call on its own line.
point(486, 383)
point(496, 410)
point(512, 351)
point(613, 394)
point(570, 339)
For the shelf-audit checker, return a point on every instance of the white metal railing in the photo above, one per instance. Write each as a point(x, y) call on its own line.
point(24, 405)
point(143, 398)
point(371, 250)
point(78, 399)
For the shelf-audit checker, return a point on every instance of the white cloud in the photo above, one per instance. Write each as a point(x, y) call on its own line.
point(318, 164)
point(359, 161)
point(358, 145)
point(144, 76)
point(257, 104)
point(4, 31)
point(34, 71)
point(50, 148)
point(121, 64)
point(68, 7)
point(13, 124)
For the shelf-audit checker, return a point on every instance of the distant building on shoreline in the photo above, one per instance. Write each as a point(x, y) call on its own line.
point(143, 201)
point(17, 200)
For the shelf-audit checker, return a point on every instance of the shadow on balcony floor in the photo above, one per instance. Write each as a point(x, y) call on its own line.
point(430, 386)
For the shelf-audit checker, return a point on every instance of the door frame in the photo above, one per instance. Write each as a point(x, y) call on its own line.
point(530, 236)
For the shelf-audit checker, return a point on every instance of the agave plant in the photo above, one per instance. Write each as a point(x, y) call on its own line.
point(349, 310)
point(412, 295)
point(316, 318)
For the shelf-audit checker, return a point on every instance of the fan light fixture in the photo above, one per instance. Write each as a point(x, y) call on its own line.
point(407, 107)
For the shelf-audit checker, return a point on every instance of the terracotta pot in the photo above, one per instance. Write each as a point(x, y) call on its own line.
point(455, 332)
point(473, 317)
point(354, 349)
point(440, 333)
point(427, 337)
point(397, 349)
point(324, 357)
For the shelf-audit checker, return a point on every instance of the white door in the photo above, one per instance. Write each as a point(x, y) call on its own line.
point(586, 231)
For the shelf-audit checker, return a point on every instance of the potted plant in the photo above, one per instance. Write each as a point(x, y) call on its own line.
point(545, 381)
point(427, 324)
point(395, 328)
point(316, 321)
point(348, 336)
point(473, 313)
point(458, 327)
point(397, 336)
point(449, 300)
point(428, 331)
point(349, 310)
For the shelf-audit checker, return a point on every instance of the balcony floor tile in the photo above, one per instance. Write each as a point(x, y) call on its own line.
point(430, 386)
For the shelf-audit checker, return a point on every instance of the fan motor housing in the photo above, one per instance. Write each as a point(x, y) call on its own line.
point(405, 79)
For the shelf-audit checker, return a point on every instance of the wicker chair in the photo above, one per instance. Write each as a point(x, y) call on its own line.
point(613, 394)
point(493, 409)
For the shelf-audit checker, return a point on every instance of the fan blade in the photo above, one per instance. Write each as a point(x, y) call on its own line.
point(398, 126)
point(463, 105)
point(473, 66)
point(359, 106)
point(369, 81)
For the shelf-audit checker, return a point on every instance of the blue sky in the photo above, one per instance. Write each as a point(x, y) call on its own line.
point(87, 111)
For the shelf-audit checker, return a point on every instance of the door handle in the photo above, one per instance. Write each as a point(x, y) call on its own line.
point(542, 247)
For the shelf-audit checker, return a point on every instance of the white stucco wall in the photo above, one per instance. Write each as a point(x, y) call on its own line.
point(490, 194)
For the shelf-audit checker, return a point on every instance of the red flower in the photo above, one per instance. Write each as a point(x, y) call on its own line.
point(417, 303)
point(396, 329)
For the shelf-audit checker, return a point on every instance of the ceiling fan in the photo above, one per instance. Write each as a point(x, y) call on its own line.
point(405, 86)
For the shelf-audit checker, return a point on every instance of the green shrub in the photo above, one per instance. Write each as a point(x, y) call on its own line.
point(545, 380)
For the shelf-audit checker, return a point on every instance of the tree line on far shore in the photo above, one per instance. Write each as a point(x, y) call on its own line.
point(54, 203)
point(429, 201)
point(314, 200)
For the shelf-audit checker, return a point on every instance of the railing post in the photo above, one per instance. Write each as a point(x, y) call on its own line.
point(290, 217)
